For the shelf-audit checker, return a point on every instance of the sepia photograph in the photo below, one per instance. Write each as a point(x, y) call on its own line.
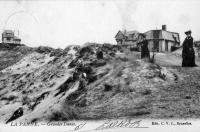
point(99, 65)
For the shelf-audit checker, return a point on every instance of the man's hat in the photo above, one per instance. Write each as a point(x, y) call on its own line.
point(188, 32)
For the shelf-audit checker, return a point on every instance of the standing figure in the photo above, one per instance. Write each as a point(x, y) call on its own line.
point(99, 54)
point(144, 48)
point(188, 53)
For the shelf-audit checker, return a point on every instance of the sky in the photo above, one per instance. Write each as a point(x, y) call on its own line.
point(61, 23)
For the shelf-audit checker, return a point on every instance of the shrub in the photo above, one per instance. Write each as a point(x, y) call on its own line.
point(65, 86)
point(72, 64)
point(57, 52)
point(162, 76)
point(65, 113)
point(97, 63)
point(26, 100)
point(119, 74)
point(112, 54)
point(146, 92)
point(107, 87)
point(44, 49)
point(99, 55)
point(85, 50)
point(134, 49)
point(9, 98)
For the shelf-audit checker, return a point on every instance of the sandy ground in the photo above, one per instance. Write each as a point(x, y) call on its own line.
point(125, 86)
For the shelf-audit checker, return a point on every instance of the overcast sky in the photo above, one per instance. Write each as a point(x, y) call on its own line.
point(60, 23)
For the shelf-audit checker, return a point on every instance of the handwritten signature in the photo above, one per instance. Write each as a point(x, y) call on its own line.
point(120, 124)
point(111, 124)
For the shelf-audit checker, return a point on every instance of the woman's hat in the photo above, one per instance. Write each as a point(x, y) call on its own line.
point(188, 32)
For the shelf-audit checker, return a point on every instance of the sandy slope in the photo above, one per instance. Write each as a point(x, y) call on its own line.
point(119, 85)
point(33, 82)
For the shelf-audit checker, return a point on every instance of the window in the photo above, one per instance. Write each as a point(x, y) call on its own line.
point(8, 38)
point(156, 46)
point(166, 45)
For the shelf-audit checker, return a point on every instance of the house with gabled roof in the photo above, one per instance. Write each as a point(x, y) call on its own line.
point(197, 43)
point(8, 37)
point(127, 38)
point(162, 40)
point(159, 40)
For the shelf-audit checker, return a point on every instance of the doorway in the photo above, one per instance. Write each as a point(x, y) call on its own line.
point(166, 46)
point(156, 45)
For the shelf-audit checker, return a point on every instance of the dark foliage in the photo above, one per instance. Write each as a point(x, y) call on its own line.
point(99, 55)
point(57, 53)
point(97, 63)
point(107, 87)
point(65, 86)
point(85, 50)
point(73, 63)
point(44, 49)
point(134, 49)
point(37, 101)
point(18, 113)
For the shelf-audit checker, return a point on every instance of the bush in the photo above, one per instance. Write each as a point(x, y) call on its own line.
point(65, 86)
point(44, 49)
point(72, 63)
point(91, 78)
point(85, 50)
point(98, 63)
point(162, 76)
point(134, 49)
point(107, 87)
point(99, 55)
point(112, 54)
point(57, 53)
point(66, 113)
point(9, 98)
point(146, 92)
point(85, 69)
point(26, 100)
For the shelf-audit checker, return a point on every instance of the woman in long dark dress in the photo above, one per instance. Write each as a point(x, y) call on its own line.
point(188, 53)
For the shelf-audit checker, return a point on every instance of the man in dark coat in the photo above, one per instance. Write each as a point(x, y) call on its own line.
point(188, 53)
point(144, 48)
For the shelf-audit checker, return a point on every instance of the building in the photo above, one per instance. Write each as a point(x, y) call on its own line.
point(9, 37)
point(197, 43)
point(158, 40)
point(162, 40)
point(127, 39)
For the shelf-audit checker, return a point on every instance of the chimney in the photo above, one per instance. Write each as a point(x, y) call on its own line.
point(124, 31)
point(164, 27)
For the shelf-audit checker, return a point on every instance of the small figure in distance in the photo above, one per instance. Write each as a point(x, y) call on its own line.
point(144, 48)
point(99, 54)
